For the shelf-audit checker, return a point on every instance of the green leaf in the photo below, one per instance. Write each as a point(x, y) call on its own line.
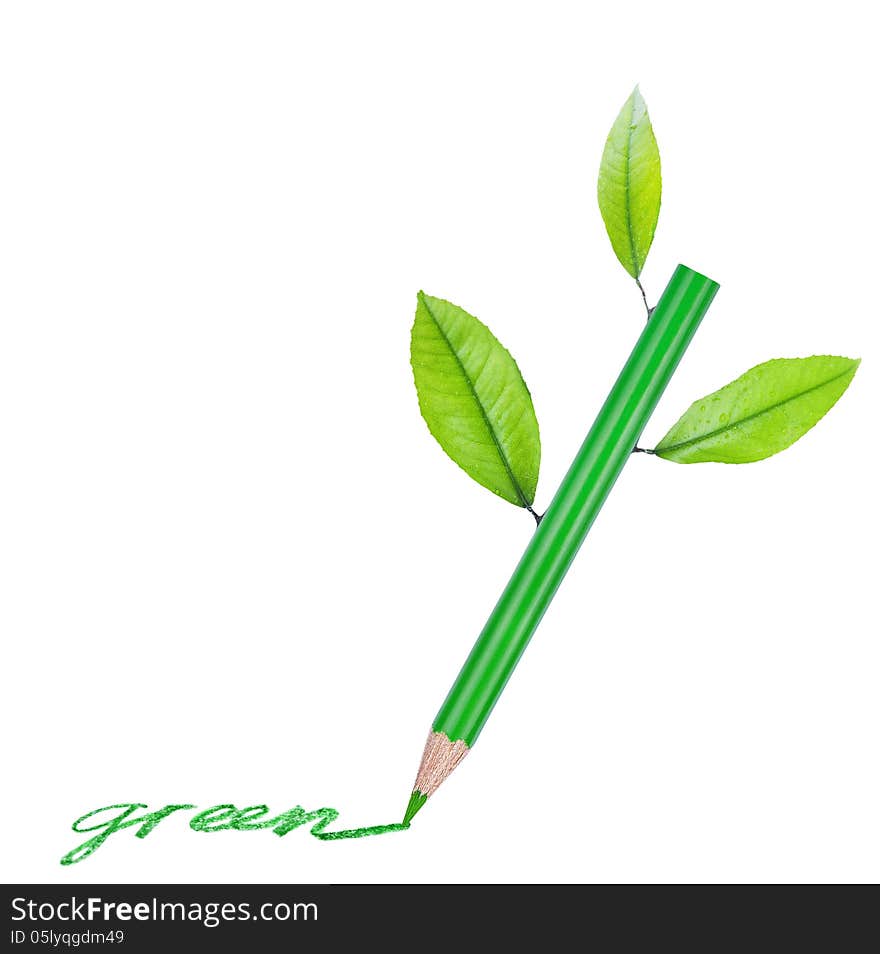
point(629, 184)
point(474, 400)
point(760, 413)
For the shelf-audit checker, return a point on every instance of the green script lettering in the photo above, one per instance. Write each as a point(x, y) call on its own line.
point(221, 817)
point(107, 828)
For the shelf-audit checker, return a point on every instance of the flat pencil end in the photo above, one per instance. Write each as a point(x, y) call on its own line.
point(416, 800)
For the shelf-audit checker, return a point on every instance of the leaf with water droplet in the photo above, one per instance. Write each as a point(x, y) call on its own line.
point(630, 184)
point(474, 400)
point(760, 413)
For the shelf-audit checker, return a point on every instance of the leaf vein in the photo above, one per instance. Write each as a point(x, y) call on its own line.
point(501, 453)
point(750, 417)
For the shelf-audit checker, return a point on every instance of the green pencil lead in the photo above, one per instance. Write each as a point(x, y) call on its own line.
point(416, 800)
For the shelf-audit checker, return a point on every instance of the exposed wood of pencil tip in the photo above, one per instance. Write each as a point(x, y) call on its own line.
point(439, 759)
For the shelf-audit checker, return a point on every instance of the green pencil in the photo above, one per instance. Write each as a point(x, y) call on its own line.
point(562, 529)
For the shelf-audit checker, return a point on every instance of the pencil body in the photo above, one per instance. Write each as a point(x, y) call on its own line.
point(578, 500)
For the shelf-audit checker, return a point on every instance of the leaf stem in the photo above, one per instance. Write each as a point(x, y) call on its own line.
point(648, 308)
point(642, 450)
point(537, 516)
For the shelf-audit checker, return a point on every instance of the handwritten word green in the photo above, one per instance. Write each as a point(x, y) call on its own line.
point(217, 818)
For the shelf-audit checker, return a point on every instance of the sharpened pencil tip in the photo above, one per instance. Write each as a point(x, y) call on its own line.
point(416, 800)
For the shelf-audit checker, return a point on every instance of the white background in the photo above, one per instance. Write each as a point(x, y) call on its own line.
point(237, 568)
